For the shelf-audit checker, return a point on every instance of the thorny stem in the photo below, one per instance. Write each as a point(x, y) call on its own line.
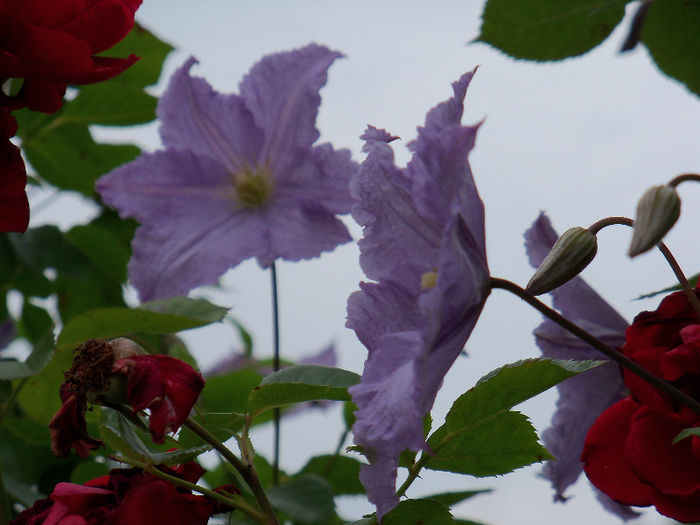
point(689, 293)
point(230, 502)
point(246, 471)
point(609, 352)
point(413, 474)
point(675, 181)
point(276, 367)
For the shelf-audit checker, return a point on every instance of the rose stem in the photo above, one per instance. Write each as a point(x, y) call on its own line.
point(689, 293)
point(276, 367)
point(610, 352)
point(247, 473)
point(234, 504)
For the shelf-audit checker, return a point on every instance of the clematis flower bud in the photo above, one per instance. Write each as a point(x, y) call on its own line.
point(572, 252)
point(657, 212)
point(119, 372)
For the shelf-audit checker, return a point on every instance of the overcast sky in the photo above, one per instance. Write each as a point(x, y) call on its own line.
point(581, 139)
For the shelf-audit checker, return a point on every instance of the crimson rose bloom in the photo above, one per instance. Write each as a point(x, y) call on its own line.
point(50, 44)
point(166, 386)
point(629, 452)
point(126, 497)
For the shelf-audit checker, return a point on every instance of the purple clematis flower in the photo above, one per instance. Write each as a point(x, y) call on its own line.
point(424, 248)
point(584, 397)
point(239, 177)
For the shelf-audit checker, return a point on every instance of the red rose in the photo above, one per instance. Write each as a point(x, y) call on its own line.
point(50, 44)
point(166, 386)
point(629, 452)
point(126, 497)
point(56, 42)
point(13, 178)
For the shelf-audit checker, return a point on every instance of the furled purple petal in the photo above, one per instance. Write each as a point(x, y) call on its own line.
point(429, 262)
point(584, 397)
point(396, 241)
point(192, 231)
point(281, 91)
point(195, 117)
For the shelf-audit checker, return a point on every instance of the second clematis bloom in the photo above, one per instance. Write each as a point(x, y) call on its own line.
point(424, 248)
point(584, 397)
point(240, 177)
point(114, 372)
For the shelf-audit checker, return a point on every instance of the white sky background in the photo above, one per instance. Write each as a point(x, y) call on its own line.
point(581, 139)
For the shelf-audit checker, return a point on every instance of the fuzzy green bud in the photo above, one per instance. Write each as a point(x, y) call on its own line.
point(572, 252)
point(657, 212)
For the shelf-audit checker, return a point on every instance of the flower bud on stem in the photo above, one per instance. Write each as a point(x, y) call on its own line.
point(610, 352)
point(685, 285)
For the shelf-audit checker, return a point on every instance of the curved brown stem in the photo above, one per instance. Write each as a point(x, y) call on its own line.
point(596, 343)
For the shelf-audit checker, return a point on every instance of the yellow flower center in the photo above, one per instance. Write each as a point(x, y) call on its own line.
point(428, 280)
point(252, 188)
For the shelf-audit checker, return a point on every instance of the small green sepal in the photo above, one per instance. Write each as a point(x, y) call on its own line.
point(572, 252)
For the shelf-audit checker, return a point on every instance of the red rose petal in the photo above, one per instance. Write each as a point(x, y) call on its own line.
point(165, 385)
point(604, 458)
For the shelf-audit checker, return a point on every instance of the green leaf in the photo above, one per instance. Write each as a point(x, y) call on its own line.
point(151, 51)
point(222, 424)
point(178, 457)
point(481, 436)
point(39, 357)
point(549, 29)
point(305, 499)
point(88, 470)
point(110, 104)
point(297, 384)
point(342, 472)
point(510, 385)
point(35, 321)
point(688, 432)
point(692, 280)
point(229, 392)
point(66, 156)
point(419, 512)
point(102, 248)
point(493, 446)
point(156, 317)
point(127, 442)
point(452, 498)
point(671, 32)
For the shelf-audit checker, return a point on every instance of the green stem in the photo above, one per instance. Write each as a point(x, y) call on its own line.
point(15, 392)
point(237, 503)
point(246, 472)
point(413, 474)
point(276, 367)
point(608, 351)
point(5, 510)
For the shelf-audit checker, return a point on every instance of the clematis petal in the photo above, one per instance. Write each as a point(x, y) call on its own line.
point(582, 398)
point(396, 240)
point(165, 385)
point(301, 230)
point(428, 258)
point(282, 92)
point(196, 118)
point(193, 229)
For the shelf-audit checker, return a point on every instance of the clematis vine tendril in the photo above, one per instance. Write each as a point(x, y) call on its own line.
point(596, 343)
